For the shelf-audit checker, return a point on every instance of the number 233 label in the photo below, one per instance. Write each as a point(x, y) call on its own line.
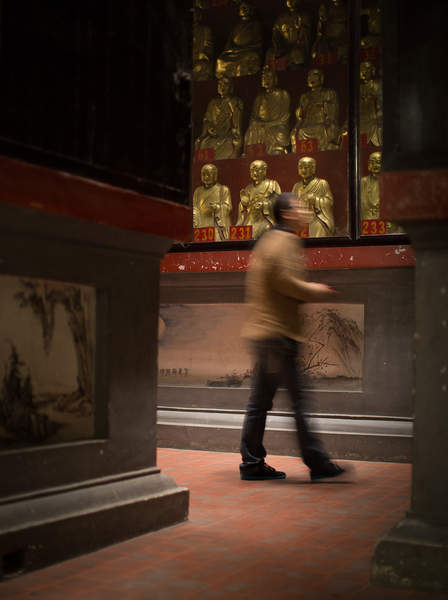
point(373, 227)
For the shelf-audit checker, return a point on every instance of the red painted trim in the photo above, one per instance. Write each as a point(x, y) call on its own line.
point(360, 257)
point(414, 195)
point(354, 257)
point(71, 196)
point(203, 262)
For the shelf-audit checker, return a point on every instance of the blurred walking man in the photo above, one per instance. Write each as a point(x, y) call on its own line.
point(275, 289)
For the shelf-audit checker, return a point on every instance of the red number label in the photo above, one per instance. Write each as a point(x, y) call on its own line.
point(305, 232)
point(362, 141)
point(204, 234)
point(240, 232)
point(204, 155)
point(306, 145)
point(369, 54)
point(326, 58)
point(373, 227)
point(278, 64)
point(254, 150)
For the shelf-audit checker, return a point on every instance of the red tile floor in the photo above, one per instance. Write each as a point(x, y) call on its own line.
point(244, 539)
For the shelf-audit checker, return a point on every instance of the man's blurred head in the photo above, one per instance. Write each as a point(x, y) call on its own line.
point(289, 212)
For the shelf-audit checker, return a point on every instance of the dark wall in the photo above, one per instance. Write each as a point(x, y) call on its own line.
point(367, 418)
point(415, 86)
point(386, 297)
point(99, 88)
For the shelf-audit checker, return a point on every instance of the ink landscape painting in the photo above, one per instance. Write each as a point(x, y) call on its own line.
point(201, 345)
point(47, 348)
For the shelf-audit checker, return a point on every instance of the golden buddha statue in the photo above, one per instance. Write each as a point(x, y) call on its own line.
point(291, 36)
point(373, 37)
point(242, 54)
point(269, 122)
point(221, 126)
point(255, 207)
point(212, 204)
point(332, 30)
point(317, 114)
point(202, 46)
point(370, 194)
point(315, 193)
point(370, 105)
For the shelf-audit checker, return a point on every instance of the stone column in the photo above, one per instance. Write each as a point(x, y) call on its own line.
point(79, 276)
point(414, 193)
point(415, 552)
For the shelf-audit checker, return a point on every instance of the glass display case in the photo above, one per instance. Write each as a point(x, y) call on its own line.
point(274, 111)
point(371, 123)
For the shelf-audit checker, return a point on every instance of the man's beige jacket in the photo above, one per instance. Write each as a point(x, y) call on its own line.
point(276, 286)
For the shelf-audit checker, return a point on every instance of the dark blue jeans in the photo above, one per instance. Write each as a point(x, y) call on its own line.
point(276, 363)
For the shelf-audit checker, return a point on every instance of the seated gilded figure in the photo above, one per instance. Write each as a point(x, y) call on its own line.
point(202, 45)
point(242, 54)
point(370, 105)
point(332, 30)
point(373, 37)
point(315, 194)
point(370, 194)
point(255, 207)
point(317, 114)
point(269, 121)
point(291, 36)
point(221, 126)
point(212, 204)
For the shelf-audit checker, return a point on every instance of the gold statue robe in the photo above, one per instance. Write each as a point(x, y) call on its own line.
point(269, 122)
point(291, 38)
point(202, 52)
point(317, 114)
point(332, 30)
point(370, 198)
point(223, 116)
point(371, 111)
point(212, 207)
point(255, 207)
point(373, 37)
point(242, 55)
point(370, 203)
point(317, 195)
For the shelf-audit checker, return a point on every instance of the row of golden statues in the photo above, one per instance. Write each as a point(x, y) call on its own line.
point(297, 36)
point(317, 116)
point(212, 203)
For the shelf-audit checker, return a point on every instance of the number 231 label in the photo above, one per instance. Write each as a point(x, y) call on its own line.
point(240, 232)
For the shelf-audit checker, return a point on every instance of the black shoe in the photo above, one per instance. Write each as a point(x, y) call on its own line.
point(257, 471)
point(328, 471)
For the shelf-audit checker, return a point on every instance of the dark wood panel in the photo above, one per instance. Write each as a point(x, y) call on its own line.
point(100, 88)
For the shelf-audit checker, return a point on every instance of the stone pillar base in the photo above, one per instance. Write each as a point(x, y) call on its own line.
point(60, 523)
point(414, 554)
